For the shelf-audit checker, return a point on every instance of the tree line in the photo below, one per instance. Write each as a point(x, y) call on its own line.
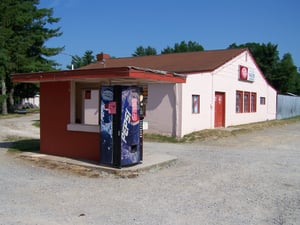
point(25, 28)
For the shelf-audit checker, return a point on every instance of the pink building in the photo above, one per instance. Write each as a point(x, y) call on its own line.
point(223, 88)
point(185, 92)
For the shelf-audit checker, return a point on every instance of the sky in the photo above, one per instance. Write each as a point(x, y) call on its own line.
point(118, 27)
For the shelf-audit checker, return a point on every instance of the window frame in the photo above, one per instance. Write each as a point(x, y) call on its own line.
point(246, 101)
point(262, 100)
point(253, 102)
point(239, 103)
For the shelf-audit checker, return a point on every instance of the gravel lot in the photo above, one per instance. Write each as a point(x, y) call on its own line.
point(251, 178)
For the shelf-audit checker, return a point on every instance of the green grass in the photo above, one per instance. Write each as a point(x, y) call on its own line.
point(37, 124)
point(160, 138)
point(14, 115)
point(23, 145)
point(10, 115)
point(20, 144)
point(213, 134)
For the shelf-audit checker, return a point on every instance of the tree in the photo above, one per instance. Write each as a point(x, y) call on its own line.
point(285, 78)
point(141, 51)
point(265, 55)
point(281, 74)
point(24, 30)
point(78, 61)
point(191, 46)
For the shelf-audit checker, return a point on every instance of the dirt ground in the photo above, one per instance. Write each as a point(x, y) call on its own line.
point(248, 178)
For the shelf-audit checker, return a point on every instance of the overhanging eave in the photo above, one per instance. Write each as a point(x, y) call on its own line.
point(112, 75)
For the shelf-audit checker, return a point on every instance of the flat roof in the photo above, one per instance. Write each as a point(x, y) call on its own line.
point(117, 75)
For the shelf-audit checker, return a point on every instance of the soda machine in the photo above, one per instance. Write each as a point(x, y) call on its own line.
point(120, 121)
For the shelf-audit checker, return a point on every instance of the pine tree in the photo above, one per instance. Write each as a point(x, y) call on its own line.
point(78, 61)
point(24, 29)
point(286, 75)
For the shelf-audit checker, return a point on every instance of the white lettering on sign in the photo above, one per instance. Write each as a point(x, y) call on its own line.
point(127, 119)
point(251, 74)
point(247, 74)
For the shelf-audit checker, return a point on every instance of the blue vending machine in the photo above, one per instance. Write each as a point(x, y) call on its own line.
point(120, 126)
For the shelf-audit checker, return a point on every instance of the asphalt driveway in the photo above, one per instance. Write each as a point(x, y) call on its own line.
point(252, 178)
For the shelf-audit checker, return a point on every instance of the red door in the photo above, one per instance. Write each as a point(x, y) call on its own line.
point(219, 109)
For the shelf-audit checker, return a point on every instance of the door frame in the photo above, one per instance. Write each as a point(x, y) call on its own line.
point(223, 109)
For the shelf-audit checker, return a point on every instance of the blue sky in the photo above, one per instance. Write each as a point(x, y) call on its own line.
point(118, 27)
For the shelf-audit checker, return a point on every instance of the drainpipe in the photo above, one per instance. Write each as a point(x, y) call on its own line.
point(178, 90)
point(212, 101)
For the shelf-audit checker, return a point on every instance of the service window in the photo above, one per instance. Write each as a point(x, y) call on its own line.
point(90, 107)
point(87, 103)
point(195, 104)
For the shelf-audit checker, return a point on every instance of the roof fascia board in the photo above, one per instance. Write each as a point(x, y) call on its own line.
point(106, 73)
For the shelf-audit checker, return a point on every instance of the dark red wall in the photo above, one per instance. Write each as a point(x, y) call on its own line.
point(55, 116)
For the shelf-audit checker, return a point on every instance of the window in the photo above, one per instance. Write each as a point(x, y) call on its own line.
point(262, 100)
point(196, 104)
point(90, 110)
point(239, 102)
point(86, 103)
point(84, 107)
point(253, 102)
point(246, 101)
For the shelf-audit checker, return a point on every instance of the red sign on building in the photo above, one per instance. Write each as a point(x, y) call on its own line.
point(243, 73)
point(246, 74)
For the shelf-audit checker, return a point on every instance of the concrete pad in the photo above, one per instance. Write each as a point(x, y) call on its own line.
point(151, 162)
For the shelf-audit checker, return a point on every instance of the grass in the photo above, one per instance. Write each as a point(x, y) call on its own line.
point(14, 115)
point(36, 124)
point(23, 145)
point(160, 138)
point(20, 144)
point(213, 134)
point(10, 115)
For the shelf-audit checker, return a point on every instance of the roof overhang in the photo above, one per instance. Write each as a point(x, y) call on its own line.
point(120, 75)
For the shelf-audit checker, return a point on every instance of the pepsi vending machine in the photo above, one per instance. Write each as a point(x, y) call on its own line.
point(120, 126)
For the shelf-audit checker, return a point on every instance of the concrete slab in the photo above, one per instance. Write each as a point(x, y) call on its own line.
point(152, 162)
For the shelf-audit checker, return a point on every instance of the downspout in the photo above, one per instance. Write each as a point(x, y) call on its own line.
point(72, 102)
point(212, 102)
point(178, 92)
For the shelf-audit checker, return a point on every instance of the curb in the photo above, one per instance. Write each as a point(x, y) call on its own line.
point(152, 163)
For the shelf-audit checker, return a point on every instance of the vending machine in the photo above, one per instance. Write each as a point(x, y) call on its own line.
point(120, 126)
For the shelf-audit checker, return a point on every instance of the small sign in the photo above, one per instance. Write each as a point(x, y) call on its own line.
point(87, 94)
point(112, 107)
